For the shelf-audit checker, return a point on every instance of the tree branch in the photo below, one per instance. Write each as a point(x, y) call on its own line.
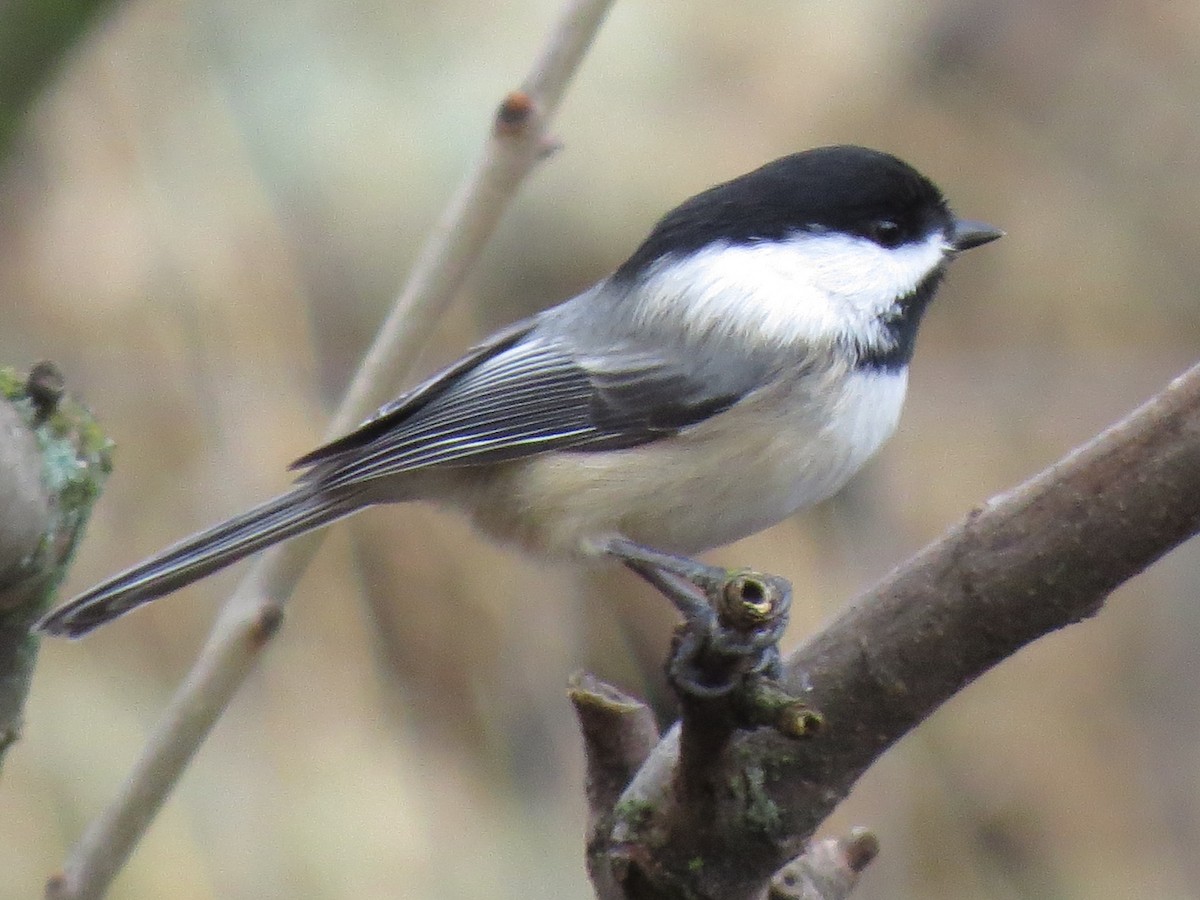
point(827, 870)
point(53, 463)
point(518, 141)
point(1030, 561)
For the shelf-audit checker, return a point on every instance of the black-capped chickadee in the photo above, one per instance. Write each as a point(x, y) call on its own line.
point(743, 363)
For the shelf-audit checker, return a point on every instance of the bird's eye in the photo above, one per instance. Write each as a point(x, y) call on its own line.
point(886, 233)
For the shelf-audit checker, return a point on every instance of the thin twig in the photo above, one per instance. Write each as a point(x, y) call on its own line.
point(618, 732)
point(827, 870)
point(248, 620)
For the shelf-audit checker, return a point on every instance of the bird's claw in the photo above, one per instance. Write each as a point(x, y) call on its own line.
point(726, 651)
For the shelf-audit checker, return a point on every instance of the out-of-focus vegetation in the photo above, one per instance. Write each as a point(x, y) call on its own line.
point(205, 218)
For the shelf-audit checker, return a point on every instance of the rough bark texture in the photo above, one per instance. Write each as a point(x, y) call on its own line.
point(1033, 560)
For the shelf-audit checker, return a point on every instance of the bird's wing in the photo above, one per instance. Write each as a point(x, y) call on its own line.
point(525, 393)
point(412, 401)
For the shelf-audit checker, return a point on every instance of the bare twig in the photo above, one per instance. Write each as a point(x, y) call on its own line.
point(827, 870)
point(518, 140)
point(1038, 558)
point(619, 732)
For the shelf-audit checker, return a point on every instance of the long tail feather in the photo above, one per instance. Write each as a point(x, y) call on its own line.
point(191, 559)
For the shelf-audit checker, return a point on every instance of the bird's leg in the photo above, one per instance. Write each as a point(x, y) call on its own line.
point(686, 582)
point(725, 657)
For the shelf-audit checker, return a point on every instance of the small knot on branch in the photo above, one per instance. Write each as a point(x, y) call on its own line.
point(515, 113)
point(44, 386)
point(859, 848)
point(766, 703)
point(828, 869)
point(265, 624)
point(746, 602)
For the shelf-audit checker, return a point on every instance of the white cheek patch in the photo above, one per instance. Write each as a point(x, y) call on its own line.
point(813, 287)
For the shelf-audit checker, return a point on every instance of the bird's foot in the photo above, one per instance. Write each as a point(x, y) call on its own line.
point(726, 652)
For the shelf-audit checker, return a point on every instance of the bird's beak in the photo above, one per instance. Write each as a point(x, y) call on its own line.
point(968, 234)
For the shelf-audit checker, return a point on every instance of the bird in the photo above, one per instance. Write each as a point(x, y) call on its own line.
point(742, 364)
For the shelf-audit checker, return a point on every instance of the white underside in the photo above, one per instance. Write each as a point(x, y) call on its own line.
point(722, 480)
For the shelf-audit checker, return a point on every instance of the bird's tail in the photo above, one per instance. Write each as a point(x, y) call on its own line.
point(286, 516)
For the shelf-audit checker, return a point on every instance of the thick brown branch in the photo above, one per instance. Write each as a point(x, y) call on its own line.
point(1028, 562)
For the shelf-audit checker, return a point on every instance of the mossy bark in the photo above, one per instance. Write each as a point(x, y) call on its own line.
point(53, 462)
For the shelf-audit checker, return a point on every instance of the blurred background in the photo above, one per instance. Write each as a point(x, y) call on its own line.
point(210, 210)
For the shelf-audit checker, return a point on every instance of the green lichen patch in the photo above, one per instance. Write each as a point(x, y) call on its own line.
point(76, 458)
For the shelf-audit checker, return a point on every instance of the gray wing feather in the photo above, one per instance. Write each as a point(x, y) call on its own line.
point(524, 394)
point(403, 407)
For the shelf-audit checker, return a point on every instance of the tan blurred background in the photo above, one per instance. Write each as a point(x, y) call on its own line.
point(209, 213)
